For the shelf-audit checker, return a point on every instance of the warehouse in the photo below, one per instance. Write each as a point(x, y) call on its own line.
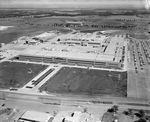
point(100, 53)
point(68, 58)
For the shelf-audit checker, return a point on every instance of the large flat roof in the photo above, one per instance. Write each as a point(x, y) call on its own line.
point(71, 55)
point(113, 52)
point(104, 58)
point(36, 116)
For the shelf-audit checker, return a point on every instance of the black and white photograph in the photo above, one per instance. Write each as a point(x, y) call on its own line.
point(74, 60)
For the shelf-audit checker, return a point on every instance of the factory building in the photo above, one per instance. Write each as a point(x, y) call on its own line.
point(101, 52)
point(68, 58)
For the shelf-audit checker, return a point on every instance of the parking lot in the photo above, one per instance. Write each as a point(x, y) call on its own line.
point(138, 70)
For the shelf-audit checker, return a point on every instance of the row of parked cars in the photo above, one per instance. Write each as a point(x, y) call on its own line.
point(146, 46)
point(140, 55)
point(134, 57)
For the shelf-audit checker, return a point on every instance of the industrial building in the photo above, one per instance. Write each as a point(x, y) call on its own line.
point(98, 51)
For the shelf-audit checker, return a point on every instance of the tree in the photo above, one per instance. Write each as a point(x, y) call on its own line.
point(141, 120)
point(110, 110)
point(142, 113)
point(126, 113)
point(113, 109)
point(130, 111)
point(58, 40)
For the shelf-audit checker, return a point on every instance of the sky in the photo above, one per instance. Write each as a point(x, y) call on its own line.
point(51, 3)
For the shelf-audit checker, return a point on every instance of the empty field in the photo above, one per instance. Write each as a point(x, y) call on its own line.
point(18, 74)
point(36, 26)
point(84, 81)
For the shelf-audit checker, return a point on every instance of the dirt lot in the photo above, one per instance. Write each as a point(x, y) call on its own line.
point(17, 74)
point(84, 81)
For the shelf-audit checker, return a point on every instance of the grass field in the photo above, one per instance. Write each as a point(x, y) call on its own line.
point(18, 74)
point(84, 81)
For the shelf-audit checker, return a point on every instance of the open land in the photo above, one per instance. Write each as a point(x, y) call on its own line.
point(27, 26)
point(16, 32)
point(85, 81)
point(18, 74)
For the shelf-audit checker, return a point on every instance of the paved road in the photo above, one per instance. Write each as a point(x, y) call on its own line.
point(48, 104)
point(77, 99)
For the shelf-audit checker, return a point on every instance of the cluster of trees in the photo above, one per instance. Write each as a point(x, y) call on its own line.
point(140, 114)
point(46, 13)
point(111, 115)
point(23, 13)
point(95, 26)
